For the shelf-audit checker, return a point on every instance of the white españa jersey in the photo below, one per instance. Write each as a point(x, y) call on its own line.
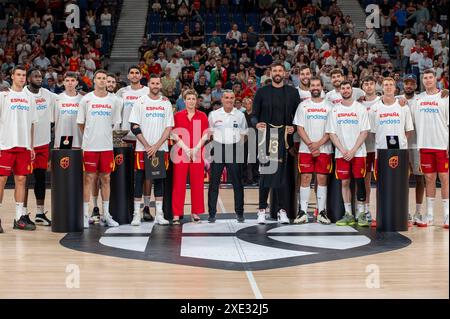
point(99, 115)
point(347, 122)
point(431, 116)
point(387, 120)
point(153, 117)
point(129, 96)
point(44, 102)
point(335, 97)
point(313, 118)
point(370, 140)
point(17, 114)
point(65, 118)
point(304, 95)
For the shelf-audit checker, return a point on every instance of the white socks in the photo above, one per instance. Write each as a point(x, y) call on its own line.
point(159, 205)
point(19, 210)
point(304, 198)
point(86, 209)
point(430, 206)
point(367, 207)
point(95, 200)
point(321, 197)
point(137, 207)
point(445, 204)
point(360, 207)
point(40, 209)
point(348, 208)
point(105, 208)
point(418, 209)
point(147, 201)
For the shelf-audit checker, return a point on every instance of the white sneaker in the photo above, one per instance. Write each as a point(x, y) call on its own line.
point(428, 221)
point(446, 221)
point(136, 219)
point(108, 221)
point(282, 217)
point(261, 217)
point(417, 219)
point(159, 219)
point(86, 221)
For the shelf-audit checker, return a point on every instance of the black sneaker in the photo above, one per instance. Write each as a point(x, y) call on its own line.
point(323, 218)
point(1, 229)
point(240, 218)
point(23, 223)
point(41, 219)
point(302, 218)
point(95, 216)
point(212, 219)
point(29, 221)
point(147, 216)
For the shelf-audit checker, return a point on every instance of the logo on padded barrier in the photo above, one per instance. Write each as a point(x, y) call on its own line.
point(119, 159)
point(393, 162)
point(64, 162)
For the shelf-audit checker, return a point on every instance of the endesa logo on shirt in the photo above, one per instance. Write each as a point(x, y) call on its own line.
point(347, 118)
point(20, 104)
point(101, 109)
point(389, 118)
point(129, 100)
point(41, 104)
point(69, 108)
point(429, 107)
point(155, 111)
point(316, 113)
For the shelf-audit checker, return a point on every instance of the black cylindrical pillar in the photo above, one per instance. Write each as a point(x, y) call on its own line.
point(335, 203)
point(122, 185)
point(67, 191)
point(392, 190)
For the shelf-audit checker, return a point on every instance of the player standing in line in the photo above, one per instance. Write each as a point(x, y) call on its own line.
point(111, 87)
point(44, 101)
point(151, 121)
point(348, 126)
point(315, 150)
point(430, 110)
point(129, 95)
point(17, 119)
point(390, 118)
point(369, 100)
point(98, 113)
point(66, 110)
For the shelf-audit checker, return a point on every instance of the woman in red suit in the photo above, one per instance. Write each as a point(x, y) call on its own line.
point(190, 134)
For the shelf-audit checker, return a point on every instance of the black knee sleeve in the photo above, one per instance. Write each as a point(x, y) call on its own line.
point(159, 187)
point(360, 190)
point(39, 183)
point(138, 183)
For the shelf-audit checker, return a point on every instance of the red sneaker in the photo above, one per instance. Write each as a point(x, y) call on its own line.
point(373, 224)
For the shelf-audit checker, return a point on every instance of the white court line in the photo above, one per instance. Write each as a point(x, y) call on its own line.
point(221, 206)
point(249, 274)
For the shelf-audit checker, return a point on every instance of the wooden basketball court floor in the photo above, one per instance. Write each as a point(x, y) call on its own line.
point(42, 264)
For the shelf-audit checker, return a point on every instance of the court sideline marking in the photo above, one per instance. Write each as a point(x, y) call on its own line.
point(249, 274)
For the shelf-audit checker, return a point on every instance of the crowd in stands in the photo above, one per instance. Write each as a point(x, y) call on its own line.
point(34, 33)
point(205, 56)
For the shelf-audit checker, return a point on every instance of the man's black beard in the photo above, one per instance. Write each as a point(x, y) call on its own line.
point(409, 95)
point(314, 95)
point(347, 98)
point(35, 86)
point(278, 82)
